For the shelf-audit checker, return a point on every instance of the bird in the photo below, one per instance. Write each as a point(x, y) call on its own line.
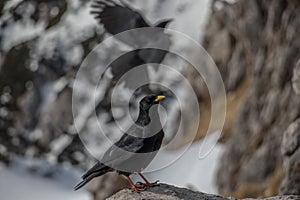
point(117, 18)
point(120, 17)
point(135, 149)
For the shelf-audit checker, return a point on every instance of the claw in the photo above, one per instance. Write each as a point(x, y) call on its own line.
point(147, 183)
point(140, 184)
point(135, 187)
point(156, 183)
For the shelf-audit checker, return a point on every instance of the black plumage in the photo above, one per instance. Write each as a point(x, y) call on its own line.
point(135, 149)
point(119, 17)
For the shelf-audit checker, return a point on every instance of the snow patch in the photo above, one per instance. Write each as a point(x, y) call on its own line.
point(30, 180)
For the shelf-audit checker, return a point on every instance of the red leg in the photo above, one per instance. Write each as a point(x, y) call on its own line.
point(134, 187)
point(147, 183)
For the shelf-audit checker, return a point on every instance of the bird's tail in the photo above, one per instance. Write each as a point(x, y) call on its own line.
point(87, 179)
point(80, 185)
point(90, 175)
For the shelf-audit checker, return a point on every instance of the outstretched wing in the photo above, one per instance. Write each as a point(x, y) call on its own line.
point(117, 18)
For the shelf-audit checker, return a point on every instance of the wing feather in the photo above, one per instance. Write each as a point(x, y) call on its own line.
point(117, 18)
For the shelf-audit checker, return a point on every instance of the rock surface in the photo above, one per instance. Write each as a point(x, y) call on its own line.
point(168, 192)
point(291, 151)
point(164, 191)
point(257, 42)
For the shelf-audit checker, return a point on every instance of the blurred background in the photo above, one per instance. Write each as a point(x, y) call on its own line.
point(255, 45)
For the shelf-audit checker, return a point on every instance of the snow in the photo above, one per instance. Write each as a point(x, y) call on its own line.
point(19, 32)
point(58, 145)
point(19, 183)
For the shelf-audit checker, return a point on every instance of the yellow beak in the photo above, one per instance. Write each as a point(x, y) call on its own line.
point(159, 98)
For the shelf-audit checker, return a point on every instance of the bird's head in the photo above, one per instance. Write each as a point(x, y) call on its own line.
point(164, 24)
point(150, 100)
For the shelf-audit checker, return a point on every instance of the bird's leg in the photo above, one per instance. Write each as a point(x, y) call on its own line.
point(147, 183)
point(134, 187)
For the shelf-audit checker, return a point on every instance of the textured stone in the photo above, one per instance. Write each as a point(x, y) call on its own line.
point(296, 78)
point(165, 191)
point(291, 151)
point(168, 192)
point(264, 48)
point(107, 185)
point(128, 194)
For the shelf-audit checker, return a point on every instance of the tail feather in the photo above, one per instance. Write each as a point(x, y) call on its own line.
point(87, 177)
point(81, 184)
point(96, 168)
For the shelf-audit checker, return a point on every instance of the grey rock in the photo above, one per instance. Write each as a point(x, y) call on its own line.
point(106, 186)
point(296, 78)
point(165, 191)
point(128, 194)
point(291, 151)
point(169, 192)
point(264, 48)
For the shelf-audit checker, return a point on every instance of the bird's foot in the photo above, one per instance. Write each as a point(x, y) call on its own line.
point(138, 188)
point(148, 184)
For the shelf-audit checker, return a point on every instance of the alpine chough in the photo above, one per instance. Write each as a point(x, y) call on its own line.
point(131, 152)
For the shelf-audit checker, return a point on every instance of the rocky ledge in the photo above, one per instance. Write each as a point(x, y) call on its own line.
point(168, 192)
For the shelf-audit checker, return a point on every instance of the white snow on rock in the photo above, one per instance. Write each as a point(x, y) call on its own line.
point(27, 179)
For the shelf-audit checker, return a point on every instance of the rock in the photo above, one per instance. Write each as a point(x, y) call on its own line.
point(107, 185)
point(168, 192)
point(128, 194)
point(164, 191)
point(264, 48)
point(290, 149)
point(296, 78)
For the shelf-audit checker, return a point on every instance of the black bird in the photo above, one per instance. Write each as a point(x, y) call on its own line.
point(133, 152)
point(117, 18)
point(120, 17)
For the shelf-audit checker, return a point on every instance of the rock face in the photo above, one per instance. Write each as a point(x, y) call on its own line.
point(165, 191)
point(291, 151)
point(168, 192)
point(258, 41)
